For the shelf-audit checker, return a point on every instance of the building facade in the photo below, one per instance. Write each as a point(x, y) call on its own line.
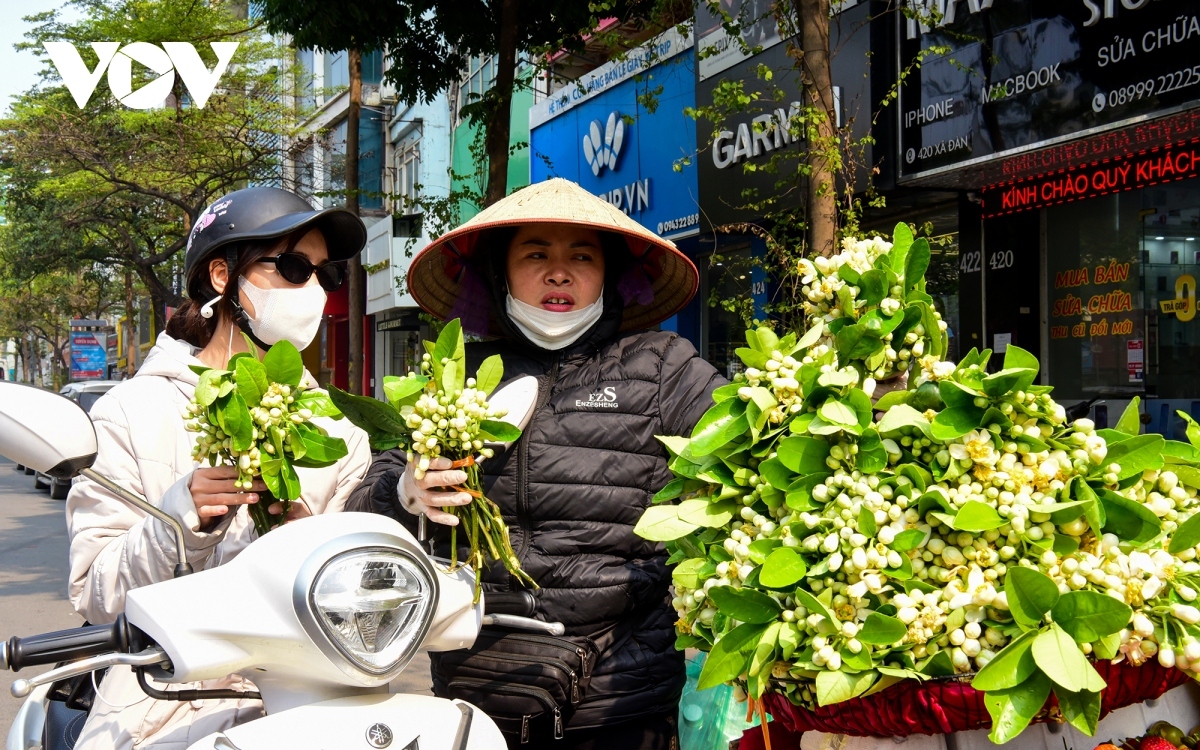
point(1068, 134)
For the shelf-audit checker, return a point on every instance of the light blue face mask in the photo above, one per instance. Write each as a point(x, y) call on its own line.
point(553, 330)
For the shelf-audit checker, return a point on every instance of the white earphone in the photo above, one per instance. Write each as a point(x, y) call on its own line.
point(206, 309)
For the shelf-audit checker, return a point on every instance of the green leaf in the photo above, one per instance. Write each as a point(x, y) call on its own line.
point(763, 657)
point(728, 659)
point(208, 387)
point(777, 475)
point(835, 412)
point(1089, 615)
point(319, 403)
point(375, 417)
point(1093, 511)
point(789, 639)
point(814, 605)
point(670, 491)
point(238, 423)
point(955, 422)
point(835, 687)
point(866, 521)
point(661, 523)
point(1012, 710)
point(1057, 654)
point(811, 336)
point(1012, 666)
point(1000, 383)
point(1107, 647)
point(450, 377)
point(1136, 454)
point(803, 455)
point(396, 390)
point(321, 450)
point(251, 378)
point(290, 480)
point(1030, 594)
point(1015, 356)
point(873, 284)
point(1128, 519)
point(499, 431)
point(719, 425)
point(902, 239)
point(693, 572)
point(450, 343)
point(702, 511)
point(745, 604)
point(491, 372)
point(1081, 710)
point(900, 416)
point(978, 517)
point(881, 630)
point(916, 263)
point(762, 548)
point(269, 467)
point(909, 539)
point(1130, 422)
point(783, 567)
point(283, 364)
point(1186, 536)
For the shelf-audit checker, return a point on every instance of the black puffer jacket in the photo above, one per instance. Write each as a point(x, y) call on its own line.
point(571, 491)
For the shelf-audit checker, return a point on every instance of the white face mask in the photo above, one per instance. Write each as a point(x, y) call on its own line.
point(285, 314)
point(553, 330)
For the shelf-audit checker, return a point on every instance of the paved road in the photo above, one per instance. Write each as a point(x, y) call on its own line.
point(33, 571)
point(33, 579)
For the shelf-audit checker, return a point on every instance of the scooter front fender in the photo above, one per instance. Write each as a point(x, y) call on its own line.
point(369, 722)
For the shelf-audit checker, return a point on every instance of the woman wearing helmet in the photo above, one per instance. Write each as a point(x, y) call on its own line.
point(259, 261)
point(565, 285)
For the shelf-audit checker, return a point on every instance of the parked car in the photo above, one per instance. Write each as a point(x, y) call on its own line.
point(85, 393)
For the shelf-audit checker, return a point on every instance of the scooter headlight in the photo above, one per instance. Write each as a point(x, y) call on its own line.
point(374, 605)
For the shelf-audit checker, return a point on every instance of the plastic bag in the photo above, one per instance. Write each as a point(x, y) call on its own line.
point(709, 719)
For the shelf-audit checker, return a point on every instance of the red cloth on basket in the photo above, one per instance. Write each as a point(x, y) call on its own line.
point(944, 706)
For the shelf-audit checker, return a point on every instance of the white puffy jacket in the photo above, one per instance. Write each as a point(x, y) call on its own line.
point(144, 447)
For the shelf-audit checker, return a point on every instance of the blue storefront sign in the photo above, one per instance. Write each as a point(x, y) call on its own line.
point(621, 133)
point(89, 356)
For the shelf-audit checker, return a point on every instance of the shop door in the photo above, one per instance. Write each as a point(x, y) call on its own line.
point(1171, 265)
point(1012, 273)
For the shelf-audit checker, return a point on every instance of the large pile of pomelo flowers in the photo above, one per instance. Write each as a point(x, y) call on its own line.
point(827, 546)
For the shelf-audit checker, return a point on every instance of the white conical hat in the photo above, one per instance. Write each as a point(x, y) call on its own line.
point(435, 275)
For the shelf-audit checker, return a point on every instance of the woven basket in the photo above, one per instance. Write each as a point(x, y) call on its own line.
point(950, 704)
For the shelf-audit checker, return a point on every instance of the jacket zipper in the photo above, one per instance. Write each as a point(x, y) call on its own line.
point(540, 695)
point(579, 651)
point(554, 663)
point(523, 461)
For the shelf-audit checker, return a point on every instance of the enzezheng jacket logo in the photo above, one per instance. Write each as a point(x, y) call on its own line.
point(603, 399)
point(170, 58)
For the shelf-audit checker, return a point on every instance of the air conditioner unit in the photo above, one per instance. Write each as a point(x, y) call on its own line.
point(387, 92)
point(370, 96)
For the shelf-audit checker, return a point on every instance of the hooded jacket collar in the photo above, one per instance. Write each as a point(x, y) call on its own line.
point(173, 359)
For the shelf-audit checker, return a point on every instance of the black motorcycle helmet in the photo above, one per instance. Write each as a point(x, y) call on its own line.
point(260, 214)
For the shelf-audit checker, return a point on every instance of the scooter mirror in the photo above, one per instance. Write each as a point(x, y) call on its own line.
point(44, 431)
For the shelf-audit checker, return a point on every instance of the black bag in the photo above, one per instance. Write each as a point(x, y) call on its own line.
point(528, 684)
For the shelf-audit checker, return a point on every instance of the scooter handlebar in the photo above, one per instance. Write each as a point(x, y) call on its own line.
point(70, 645)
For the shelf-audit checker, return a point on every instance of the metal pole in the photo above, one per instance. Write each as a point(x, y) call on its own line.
point(182, 566)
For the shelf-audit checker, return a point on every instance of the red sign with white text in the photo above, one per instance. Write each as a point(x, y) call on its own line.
point(1138, 170)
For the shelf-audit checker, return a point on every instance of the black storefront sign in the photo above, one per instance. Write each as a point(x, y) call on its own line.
point(732, 159)
point(1024, 73)
point(1143, 169)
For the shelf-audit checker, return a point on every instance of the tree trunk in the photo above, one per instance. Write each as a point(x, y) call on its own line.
point(130, 329)
point(813, 19)
point(357, 307)
point(499, 115)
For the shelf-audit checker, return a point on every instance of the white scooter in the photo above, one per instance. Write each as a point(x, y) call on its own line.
point(320, 614)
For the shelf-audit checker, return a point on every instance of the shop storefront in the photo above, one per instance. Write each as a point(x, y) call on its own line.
point(621, 132)
point(1071, 132)
point(748, 156)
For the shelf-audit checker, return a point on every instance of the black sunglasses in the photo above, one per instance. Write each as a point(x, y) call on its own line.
point(295, 268)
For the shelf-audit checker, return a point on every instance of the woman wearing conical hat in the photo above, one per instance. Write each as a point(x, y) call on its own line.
point(565, 287)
